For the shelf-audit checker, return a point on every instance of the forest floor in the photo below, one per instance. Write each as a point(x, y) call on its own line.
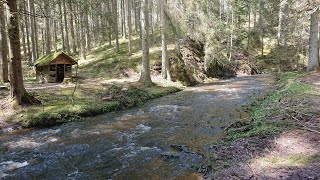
point(107, 81)
point(281, 142)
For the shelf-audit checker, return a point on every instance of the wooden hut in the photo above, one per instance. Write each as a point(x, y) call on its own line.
point(54, 67)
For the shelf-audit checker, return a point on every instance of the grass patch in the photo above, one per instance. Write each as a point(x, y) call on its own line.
point(292, 160)
point(265, 109)
point(103, 63)
point(58, 109)
point(258, 128)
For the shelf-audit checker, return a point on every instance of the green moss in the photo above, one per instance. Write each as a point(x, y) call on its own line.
point(58, 109)
point(288, 86)
point(258, 128)
point(46, 59)
point(104, 63)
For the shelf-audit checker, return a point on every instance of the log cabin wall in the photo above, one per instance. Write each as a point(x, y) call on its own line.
point(49, 73)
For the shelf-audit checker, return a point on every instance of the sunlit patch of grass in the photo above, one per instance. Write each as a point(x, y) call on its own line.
point(292, 160)
point(57, 105)
point(258, 128)
point(105, 62)
point(287, 86)
point(102, 64)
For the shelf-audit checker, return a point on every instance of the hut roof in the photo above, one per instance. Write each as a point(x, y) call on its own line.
point(47, 59)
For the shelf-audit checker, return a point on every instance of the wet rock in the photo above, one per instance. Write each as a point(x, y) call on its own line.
point(51, 131)
point(7, 130)
point(178, 147)
point(170, 155)
point(11, 129)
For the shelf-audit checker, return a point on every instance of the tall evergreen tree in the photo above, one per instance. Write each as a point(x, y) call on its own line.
point(18, 93)
point(145, 77)
point(4, 46)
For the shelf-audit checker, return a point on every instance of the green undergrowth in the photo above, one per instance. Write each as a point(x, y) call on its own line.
point(105, 62)
point(265, 111)
point(102, 63)
point(57, 106)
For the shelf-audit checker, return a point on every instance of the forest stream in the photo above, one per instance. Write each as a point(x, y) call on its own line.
point(164, 139)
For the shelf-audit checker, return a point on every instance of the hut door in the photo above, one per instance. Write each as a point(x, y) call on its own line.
point(60, 72)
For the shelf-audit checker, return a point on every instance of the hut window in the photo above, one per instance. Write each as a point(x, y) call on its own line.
point(68, 68)
point(52, 67)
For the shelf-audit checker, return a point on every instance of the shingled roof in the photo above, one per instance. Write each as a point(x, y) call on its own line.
point(47, 59)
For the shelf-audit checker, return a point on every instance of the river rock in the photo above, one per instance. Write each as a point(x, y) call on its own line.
point(170, 155)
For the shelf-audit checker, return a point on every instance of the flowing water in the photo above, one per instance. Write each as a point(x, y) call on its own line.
point(164, 139)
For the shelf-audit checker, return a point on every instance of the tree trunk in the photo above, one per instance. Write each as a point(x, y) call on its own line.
point(26, 25)
point(261, 25)
point(18, 92)
point(313, 62)
point(81, 31)
point(93, 27)
point(129, 26)
point(115, 23)
point(77, 25)
point(4, 45)
point(47, 26)
point(255, 17)
point(280, 19)
point(55, 36)
point(61, 26)
point(249, 26)
point(151, 20)
point(67, 43)
point(136, 17)
point(231, 33)
point(285, 24)
point(23, 38)
point(88, 39)
point(283, 13)
point(73, 40)
point(109, 23)
point(165, 72)
point(145, 77)
point(123, 12)
point(32, 33)
point(35, 31)
point(177, 44)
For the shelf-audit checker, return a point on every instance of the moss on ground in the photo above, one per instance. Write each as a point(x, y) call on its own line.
point(103, 63)
point(58, 109)
point(265, 110)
